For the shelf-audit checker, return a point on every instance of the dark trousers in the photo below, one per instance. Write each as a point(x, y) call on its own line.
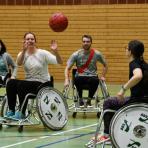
point(21, 88)
point(89, 83)
point(115, 104)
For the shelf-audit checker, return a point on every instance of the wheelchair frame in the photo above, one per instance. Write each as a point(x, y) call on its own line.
point(30, 118)
point(75, 106)
point(55, 105)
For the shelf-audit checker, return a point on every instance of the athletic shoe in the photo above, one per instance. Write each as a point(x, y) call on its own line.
point(9, 114)
point(18, 116)
point(81, 103)
point(101, 139)
point(89, 103)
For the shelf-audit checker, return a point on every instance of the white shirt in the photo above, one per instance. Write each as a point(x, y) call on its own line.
point(36, 65)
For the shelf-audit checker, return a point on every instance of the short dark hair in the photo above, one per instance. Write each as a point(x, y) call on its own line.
point(30, 33)
point(137, 48)
point(3, 47)
point(87, 36)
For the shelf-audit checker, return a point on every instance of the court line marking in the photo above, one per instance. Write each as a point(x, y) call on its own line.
point(63, 140)
point(43, 137)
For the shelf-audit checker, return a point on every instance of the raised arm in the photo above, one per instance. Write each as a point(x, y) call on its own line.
point(54, 48)
point(20, 57)
point(67, 77)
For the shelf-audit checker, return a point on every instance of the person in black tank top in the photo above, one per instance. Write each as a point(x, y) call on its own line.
point(139, 91)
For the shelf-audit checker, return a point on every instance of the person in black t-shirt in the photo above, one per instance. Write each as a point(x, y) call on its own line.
point(139, 93)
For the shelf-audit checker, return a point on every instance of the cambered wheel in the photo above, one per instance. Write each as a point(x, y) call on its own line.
point(52, 108)
point(130, 124)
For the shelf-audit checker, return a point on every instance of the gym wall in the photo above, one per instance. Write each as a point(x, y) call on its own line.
point(111, 26)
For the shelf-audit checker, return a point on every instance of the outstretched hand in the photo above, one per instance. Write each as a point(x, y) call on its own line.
point(54, 45)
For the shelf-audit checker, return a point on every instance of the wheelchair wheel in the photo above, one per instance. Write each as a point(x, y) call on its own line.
point(52, 108)
point(129, 127)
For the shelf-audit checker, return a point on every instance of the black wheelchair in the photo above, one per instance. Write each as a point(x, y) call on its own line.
point(71, 93)
point(128, 128)
point(47, 105)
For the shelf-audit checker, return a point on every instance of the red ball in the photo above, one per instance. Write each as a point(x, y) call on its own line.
point(58, 22)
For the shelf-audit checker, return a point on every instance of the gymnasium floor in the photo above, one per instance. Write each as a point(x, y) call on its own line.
point(76, 133)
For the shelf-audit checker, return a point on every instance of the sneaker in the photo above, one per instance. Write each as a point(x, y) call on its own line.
point(18, 116)
point(101, 139)
point(89, 103)
point(81, 103)
point(9, 114)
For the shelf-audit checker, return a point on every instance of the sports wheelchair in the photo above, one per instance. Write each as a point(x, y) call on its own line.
point(48, 106)
point(71, 92)
point(128, 128)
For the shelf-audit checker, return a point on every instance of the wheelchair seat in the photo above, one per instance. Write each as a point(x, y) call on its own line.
point(85, 86)
point(33, 96)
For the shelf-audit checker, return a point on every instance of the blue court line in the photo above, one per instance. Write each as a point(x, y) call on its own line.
point(63, 140)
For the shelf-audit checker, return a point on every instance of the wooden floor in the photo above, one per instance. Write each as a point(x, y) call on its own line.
point(76, 133)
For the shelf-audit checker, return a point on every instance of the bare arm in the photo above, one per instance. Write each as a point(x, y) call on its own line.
point(135, 79)
point(67, 77)
point(54, 48)
point(21, 56)
point(104, 71)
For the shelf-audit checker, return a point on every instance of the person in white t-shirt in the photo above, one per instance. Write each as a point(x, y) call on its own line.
point(35, 62)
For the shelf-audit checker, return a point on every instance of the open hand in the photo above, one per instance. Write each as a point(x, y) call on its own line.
point(54, 45)
point(25, 46)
